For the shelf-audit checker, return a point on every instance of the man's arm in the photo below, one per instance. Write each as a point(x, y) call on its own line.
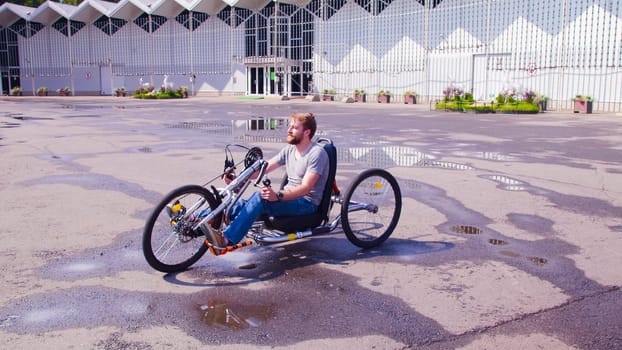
point(272, 164)
point(308, 181)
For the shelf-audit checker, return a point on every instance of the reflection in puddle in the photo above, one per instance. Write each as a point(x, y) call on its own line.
point(469, 230)
point(391, 156)
point(209, 127)
point(262, 138)
point(507, 183)
point(220, 313)
point(446, 165)
point(383, 157)
point(485, 155)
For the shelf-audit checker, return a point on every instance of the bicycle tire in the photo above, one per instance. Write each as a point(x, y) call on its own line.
point(368, 228)
point(177, 245)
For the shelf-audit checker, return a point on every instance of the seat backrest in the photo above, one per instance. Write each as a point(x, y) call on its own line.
point(331, 150)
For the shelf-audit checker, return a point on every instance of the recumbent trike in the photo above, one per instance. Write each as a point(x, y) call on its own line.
point(173, 239)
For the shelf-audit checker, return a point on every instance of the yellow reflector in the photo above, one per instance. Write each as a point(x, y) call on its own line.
point(176, 208)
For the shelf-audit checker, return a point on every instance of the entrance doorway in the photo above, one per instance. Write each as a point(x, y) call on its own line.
point(276, 76)
point(256, 81)
point(264, 81)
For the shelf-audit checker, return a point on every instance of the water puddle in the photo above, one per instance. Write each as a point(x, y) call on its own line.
point(506, 183)
point(494, 241)
point(218, 313)
point(617, 228)
point(469, 230)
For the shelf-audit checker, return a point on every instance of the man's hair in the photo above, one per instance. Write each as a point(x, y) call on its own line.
point(307, 120)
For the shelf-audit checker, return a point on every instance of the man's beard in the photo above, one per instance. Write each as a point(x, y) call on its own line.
point(293, 140)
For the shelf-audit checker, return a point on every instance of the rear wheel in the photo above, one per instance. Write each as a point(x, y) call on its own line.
point(371, 208)
point(169, 242)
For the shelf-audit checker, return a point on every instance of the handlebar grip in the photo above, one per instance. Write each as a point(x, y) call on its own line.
point(262, 171)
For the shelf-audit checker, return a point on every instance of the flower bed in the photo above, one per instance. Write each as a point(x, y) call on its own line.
point(506, 102)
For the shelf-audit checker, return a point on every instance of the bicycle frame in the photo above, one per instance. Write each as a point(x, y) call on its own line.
point(229, 194)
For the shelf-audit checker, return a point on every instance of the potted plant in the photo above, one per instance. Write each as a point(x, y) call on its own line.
point(183, 91)
point(64, 91)
point(542, 101)
point(360, 96)
point(328, 95)
point(410, 97)
point(121, 91)
point(42, 91)
point(384, 96)
point(17, 91)
point(583, 104)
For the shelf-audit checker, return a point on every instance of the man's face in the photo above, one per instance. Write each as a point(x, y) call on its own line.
point(295, 132)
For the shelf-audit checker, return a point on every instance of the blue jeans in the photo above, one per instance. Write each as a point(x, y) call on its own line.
point(245, 212)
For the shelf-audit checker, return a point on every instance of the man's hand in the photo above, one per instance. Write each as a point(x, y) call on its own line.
point(229, 176)
point(268, 194)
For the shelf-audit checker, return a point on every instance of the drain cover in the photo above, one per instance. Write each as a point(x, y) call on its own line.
point(469, 230)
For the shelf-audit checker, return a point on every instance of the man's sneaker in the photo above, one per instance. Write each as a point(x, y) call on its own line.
point(214, 236)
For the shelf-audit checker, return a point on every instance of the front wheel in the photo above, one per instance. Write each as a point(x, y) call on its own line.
point(169, 242)
point(371, 208)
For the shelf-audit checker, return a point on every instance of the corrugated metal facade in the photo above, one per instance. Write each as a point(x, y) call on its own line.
point(558, 48)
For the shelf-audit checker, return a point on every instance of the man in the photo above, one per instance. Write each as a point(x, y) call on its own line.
point(306, 164)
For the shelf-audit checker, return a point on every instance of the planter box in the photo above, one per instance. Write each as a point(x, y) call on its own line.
point(583, 106)
point(384, 98)
point(328, 98)
point(360, 98)
point(410, 99)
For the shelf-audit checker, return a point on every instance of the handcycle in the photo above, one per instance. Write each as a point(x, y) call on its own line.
point(173, 239)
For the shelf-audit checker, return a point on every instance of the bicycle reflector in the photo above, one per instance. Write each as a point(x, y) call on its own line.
point(252, 156)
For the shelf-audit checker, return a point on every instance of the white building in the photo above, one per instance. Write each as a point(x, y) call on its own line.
point(559, 48)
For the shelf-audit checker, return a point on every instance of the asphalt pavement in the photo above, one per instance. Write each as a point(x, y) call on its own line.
point(510, 234)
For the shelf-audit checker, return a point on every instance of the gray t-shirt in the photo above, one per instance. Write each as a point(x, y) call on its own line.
point(315, 160)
